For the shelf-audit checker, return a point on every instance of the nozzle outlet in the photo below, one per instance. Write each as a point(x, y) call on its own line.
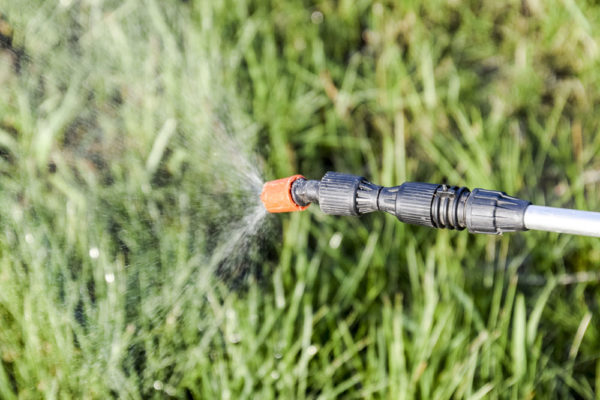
point(277, 195)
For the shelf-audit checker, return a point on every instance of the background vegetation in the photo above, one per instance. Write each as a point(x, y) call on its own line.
point(131, 133)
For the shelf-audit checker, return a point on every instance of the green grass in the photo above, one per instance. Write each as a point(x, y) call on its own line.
point(125, 131)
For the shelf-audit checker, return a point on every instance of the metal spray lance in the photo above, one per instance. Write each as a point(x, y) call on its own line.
point(432, 205)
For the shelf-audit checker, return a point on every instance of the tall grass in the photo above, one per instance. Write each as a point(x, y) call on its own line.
point(132, 134)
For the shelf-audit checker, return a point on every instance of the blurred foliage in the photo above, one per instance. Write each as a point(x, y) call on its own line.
point(132, 139)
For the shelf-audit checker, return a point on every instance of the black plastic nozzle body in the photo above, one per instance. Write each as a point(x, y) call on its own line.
point(436, 206)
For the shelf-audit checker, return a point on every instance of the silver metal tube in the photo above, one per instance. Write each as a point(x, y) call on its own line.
point(562, 220)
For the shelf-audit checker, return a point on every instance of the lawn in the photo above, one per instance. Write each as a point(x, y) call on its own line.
point(136, 262)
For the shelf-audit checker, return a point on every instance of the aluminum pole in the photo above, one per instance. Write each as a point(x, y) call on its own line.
point(562, 220)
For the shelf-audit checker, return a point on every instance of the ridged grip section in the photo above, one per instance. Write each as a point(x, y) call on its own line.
point(448, 207)
point(413, 203)
point(367, 197)
point(494, 212)
point(337, 193)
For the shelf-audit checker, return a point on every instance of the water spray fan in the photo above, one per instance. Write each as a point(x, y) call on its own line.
point(427, 204)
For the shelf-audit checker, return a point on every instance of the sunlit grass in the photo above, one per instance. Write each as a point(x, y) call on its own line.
point(133, 138)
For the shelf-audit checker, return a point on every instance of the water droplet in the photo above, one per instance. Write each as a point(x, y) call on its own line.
point(17, 214)
point(70, 208)
point(278, 356)
point(336, 240)
point(170, 390)
point(109, 277)
point(299, 44)
point(316, 17)
point(275, 375)
point(171, 319)
point(157, 385)
point(235, 338)
point(230, 313)
point(94, 252)
point(29, 238)
point(311, 350)
point(130, 329)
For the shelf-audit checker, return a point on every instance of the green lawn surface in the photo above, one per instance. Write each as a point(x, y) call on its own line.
point(135, 260)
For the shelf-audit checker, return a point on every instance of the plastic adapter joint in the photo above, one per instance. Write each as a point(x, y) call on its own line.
point(433, 205)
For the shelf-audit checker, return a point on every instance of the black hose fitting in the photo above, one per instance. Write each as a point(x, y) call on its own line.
point(305, 192)
point(436, 206)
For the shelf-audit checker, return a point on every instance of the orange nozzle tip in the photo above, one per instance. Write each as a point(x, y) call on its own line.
point(277, 195)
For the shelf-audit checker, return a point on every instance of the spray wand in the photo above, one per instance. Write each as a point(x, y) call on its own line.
point(435, 206)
